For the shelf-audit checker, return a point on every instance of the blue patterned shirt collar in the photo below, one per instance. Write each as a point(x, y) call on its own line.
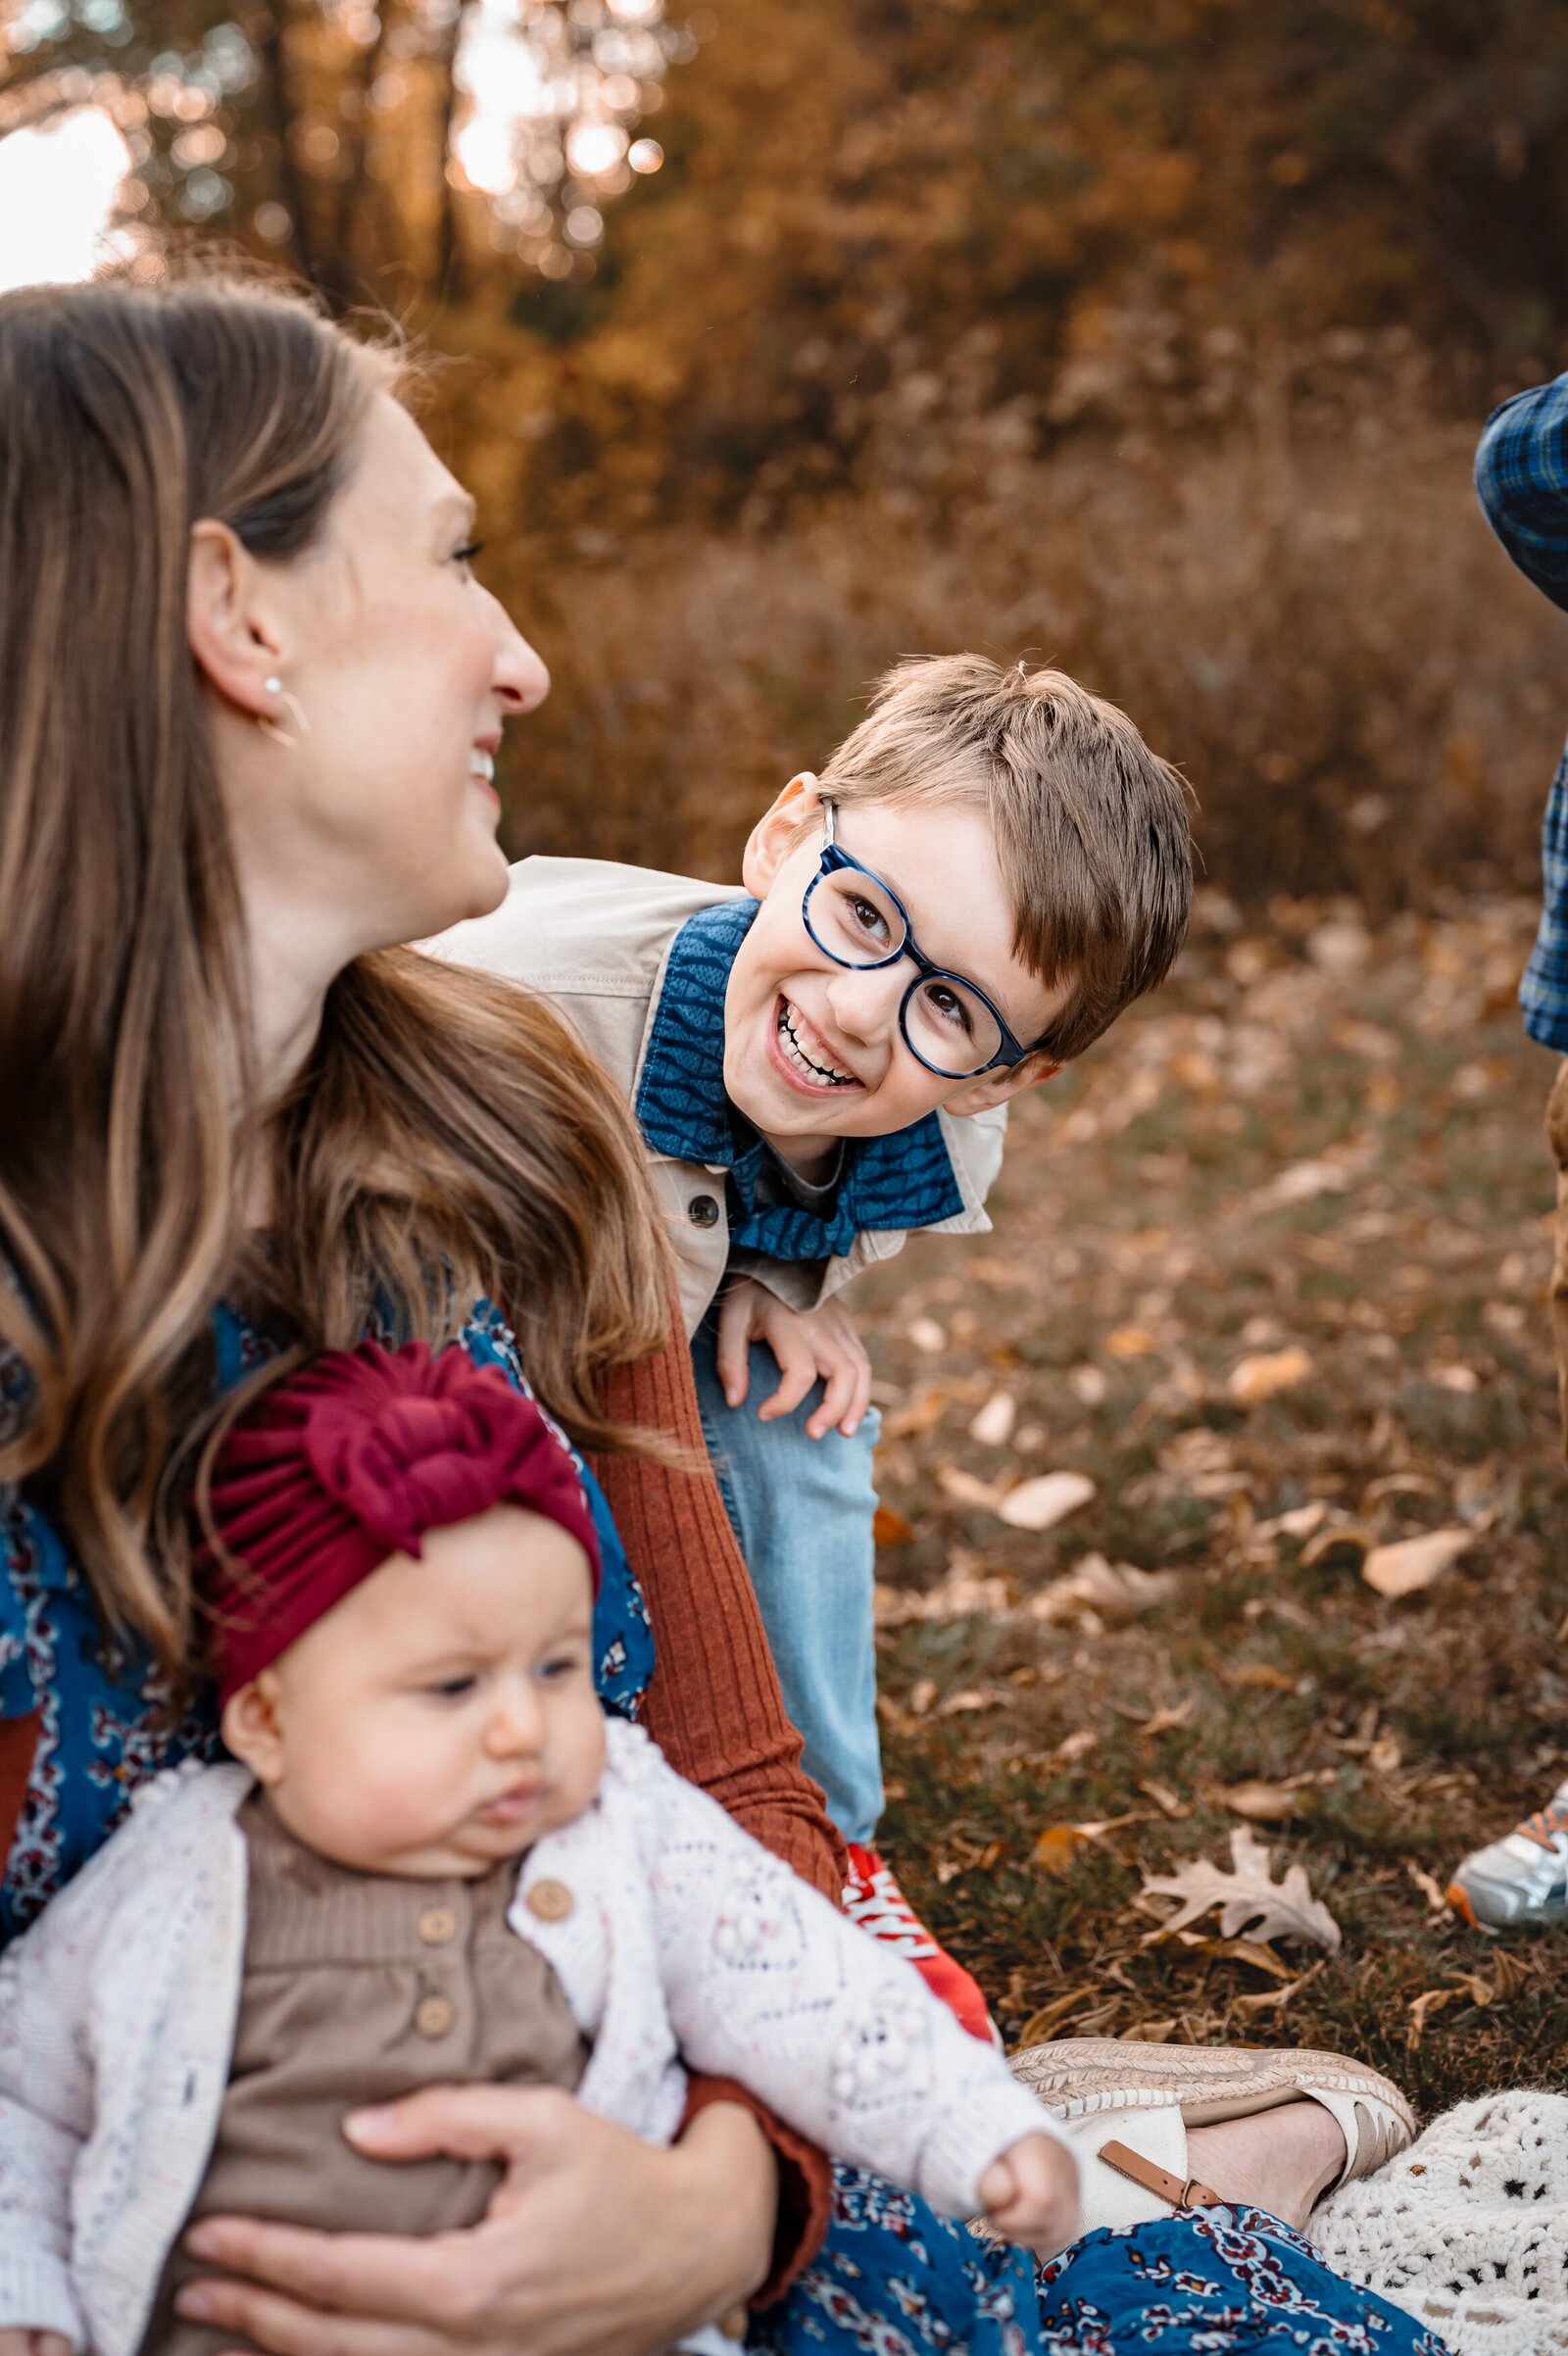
point(894, 1182)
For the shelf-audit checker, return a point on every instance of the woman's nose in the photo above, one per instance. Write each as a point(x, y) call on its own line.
point(865, 1003)
point(520, 676)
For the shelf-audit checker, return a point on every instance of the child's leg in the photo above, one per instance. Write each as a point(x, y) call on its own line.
point(801, 1514)
point(894, 2278)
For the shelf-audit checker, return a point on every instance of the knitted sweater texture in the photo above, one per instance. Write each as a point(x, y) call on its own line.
point(673, 1936)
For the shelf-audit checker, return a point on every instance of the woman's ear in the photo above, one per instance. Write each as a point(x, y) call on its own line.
point(252, 1726)
point(772, 838)
point(1000, 1087)
point(233, 631)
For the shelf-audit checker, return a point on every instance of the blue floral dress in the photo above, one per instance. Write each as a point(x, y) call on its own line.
point(104, 1729)
point(892, 2278)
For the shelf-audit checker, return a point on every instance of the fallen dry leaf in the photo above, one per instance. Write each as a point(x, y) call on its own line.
point(1275, 1998)
point(891, 1529)
point(961, 1595)
point(1165, 1799)
point(1509, 1974)
point(1303, 1182)
point(1056, 1847)
point(1414, 1562)
point(967, 1488)
point(1421, 2007)
point(1249, 1900)
point(1040, 1503)
point(1039, 2026)
point(1255, 1379)
point(1260, 1803)
point(918, 1416)
point(1115, 1590)
point(1300, 1522)
point(1399, 1484)
point(1076, 1746)
point(1249, 1950)
point(1360, 1535)
point(1149, 2033)
point(972, 1698)
point(1164, 1719)
point(1132, 1342)
point(923, 1694)
point(993, 1426)
point(1260, 1677)
point(1432, 1892)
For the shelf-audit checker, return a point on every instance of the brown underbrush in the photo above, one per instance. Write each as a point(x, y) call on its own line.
point(1306, 612)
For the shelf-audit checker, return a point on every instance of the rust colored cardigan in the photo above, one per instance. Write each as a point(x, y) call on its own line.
point(713, 1707)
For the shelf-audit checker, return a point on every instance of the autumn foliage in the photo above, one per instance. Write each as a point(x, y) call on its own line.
point(1152, 339)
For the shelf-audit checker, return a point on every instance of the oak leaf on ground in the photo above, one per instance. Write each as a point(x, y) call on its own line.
point(1248, 1899)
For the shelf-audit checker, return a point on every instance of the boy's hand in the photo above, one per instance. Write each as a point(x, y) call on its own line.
point(811, 1346)
point(1031, 2195)
point(18, 2339)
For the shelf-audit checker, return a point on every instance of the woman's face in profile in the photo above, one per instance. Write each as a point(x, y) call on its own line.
point(405, 668)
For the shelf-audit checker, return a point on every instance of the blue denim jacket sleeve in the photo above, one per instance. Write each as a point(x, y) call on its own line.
point(1522, 482)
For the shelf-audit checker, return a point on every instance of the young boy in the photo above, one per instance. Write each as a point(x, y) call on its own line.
point(433, 1861)
point(991, 867)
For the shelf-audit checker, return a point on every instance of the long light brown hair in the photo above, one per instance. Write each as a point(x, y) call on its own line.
point(446, 1139)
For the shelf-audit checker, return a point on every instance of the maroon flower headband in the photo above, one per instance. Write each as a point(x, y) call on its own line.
point(354, 1459)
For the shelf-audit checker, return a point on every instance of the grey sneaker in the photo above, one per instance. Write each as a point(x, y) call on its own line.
point(1522, 1878)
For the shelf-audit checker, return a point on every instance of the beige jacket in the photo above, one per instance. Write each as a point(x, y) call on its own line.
point(594, 939)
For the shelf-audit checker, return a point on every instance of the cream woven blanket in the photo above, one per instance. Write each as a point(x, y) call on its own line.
point(1468, 2228)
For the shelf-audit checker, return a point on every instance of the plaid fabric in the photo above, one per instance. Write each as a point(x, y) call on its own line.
point(1522, 482)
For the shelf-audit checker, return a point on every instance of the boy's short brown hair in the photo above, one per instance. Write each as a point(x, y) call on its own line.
point(1091, 826)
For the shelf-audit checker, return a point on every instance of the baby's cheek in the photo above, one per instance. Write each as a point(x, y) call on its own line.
point(580, 1756)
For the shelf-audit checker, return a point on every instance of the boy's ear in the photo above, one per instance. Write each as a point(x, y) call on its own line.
point(773, 836)
point(998, 1087)
point(252, 1726)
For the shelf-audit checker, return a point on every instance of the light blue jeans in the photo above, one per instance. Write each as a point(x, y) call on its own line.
point(800, 1510)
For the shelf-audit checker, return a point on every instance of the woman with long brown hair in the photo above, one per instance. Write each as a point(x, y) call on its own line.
point(250, 700)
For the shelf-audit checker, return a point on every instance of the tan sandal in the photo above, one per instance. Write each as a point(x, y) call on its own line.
point(1098, 2085)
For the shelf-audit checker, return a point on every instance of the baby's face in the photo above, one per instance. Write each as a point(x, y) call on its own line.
point(442, 1716)
point(812, 1050)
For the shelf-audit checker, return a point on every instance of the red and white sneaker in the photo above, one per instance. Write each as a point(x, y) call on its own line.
point(873, 1899)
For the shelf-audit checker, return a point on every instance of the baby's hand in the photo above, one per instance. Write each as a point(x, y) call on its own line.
point(1031, 2195)
point(19, 2339)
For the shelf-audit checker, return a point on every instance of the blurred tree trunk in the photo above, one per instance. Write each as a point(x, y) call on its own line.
point(451, 276)
point(276, 109)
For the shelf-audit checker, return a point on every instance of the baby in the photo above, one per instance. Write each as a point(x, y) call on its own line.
point(432, 1860)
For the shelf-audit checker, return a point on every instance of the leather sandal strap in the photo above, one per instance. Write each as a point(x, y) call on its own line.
point(1190, 2195)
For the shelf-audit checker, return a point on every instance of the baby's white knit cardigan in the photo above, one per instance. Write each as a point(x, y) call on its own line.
point(1468, 2230)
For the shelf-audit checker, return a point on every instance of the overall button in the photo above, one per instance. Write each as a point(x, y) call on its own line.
point(438, 1926)
point(702, 1210)
point(432, 2016)
point(551, 1902)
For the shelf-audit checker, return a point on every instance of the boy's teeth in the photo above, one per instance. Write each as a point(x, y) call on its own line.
point(482, 764)
point(800, 1059)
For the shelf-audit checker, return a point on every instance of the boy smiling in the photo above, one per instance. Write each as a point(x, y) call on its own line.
point(989, 867)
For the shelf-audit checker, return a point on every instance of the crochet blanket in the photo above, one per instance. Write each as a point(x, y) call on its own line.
point(1468, 2230)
